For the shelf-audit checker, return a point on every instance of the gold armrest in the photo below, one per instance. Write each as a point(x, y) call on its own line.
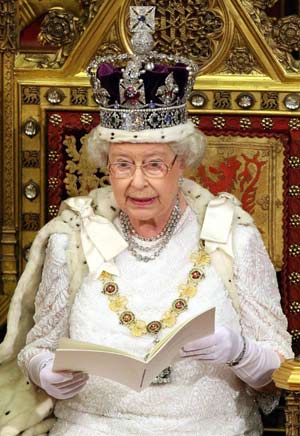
point(287, 377)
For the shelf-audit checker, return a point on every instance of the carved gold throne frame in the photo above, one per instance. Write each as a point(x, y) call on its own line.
point(246, 99)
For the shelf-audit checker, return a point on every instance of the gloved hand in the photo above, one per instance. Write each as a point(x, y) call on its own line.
point(223, 346)
point(249, 360)
point(60, 385)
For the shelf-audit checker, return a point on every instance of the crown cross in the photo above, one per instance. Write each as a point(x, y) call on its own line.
point(142, 19)
point(131, 87)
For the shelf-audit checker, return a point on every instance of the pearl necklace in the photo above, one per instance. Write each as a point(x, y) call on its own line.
point(138, 245)
point(138, 327)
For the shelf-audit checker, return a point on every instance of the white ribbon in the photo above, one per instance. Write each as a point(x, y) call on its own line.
point(217, 224)
point(101, 241)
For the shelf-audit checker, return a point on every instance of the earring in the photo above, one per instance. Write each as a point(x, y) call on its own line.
point(180, 181)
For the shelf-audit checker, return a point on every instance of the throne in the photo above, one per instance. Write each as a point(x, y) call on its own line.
point(245, 100)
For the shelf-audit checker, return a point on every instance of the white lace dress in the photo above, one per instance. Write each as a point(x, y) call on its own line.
point(203, 399)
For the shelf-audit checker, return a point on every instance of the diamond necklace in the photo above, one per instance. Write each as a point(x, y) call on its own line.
point(138, 249)
point(138, 327)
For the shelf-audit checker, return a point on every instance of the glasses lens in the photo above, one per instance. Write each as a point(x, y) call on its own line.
point(155, 169)
point(121, 170)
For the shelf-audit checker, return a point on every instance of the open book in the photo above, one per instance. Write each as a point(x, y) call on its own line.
point(125, 368)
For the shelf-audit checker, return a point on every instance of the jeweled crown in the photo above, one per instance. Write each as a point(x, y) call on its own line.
point(145, 89)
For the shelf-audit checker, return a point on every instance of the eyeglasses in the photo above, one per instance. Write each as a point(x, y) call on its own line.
point(152, 168)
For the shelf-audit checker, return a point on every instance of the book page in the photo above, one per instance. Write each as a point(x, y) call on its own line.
point(202, 324)
point(69, 344)
point(114, 366)
point(164, 354)
point(127, 369)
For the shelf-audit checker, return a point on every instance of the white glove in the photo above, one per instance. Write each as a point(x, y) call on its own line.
point(60, 385)
point(250, 361)
point(223, 346)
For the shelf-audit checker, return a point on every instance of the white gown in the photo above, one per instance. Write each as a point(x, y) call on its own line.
point(204, 399)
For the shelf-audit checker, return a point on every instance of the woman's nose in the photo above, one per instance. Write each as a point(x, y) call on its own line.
point(138, 179)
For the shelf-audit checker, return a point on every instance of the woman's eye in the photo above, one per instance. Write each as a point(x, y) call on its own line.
point(154, 164)
point(123, 165)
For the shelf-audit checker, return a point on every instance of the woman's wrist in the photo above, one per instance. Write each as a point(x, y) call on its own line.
point(257, 365)
point(37, 363)
point(240, 356)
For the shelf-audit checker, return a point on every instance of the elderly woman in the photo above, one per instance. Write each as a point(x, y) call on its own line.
point(210, 388)
point(158, 217)
point(165, 240)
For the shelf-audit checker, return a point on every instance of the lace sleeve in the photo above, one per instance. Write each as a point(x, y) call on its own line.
point(51, 302)
point(261, 314)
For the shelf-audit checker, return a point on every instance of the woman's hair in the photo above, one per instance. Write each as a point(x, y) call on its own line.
point(191, 148)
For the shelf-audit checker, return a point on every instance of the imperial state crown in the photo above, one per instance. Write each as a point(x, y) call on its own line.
point(144, 89)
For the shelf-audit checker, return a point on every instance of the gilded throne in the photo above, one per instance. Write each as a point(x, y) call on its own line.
point(245, 100)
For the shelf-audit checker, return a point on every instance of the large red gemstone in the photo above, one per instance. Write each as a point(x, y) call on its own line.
point(154, 326)
point(110, 288)
point(179, 305)
point(196, 274)
point(127, 317)
point(131, 93)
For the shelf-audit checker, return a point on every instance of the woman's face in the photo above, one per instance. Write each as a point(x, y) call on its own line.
point(144, 198)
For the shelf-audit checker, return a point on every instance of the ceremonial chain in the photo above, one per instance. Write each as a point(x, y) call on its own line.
point(138, 327)
point(160, 241)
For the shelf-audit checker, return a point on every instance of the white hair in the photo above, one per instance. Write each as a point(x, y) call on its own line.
point(191, 147)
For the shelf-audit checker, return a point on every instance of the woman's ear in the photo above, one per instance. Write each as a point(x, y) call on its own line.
point(181, 163)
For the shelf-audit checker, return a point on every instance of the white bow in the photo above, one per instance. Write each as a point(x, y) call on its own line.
point(101, 241)
point(216, 228)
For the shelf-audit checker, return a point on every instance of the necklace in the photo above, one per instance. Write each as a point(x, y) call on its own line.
point(138, 327)
point(142, 248)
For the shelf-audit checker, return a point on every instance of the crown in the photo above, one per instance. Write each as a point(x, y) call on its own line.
point(144, 89)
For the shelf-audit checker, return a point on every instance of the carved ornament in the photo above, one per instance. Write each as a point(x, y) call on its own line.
point(241, 61)
point(222, 100)
point(30, 95)
point(283, 36)
point(8, 25)
point(31, 159)
point(269, 100)
point(30, 221)
point(61, 28)
point(79, 96)
point(8, 140)
point(286, 33)
point(194, 29)
point(112, 42)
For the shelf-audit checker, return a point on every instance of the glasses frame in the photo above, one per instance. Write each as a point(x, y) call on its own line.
point(134, 166)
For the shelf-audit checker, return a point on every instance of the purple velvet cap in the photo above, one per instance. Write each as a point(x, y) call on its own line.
point(110, 76)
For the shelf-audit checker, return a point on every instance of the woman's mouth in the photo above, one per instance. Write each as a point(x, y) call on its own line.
point(147, 201)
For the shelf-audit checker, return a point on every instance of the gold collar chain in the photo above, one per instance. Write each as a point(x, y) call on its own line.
point(138, 327)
